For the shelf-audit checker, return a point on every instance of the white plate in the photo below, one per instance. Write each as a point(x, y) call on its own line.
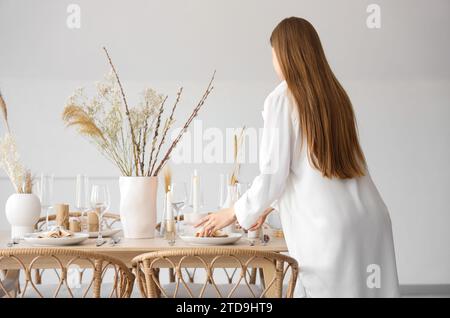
point(105, 233)
point(77, 238)
point(230, 239)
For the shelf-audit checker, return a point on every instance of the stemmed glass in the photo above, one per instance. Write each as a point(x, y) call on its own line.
point(100, 202)
point(179, 199)
point(45, 193)
point(82, 198)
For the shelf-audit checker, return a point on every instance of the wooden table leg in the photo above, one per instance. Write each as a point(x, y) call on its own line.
point(269, 272)
point(13, 277)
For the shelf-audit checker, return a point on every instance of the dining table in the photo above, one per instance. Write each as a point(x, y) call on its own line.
point(126, 249)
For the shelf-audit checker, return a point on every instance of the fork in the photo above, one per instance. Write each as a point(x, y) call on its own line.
point(99, 243)
point(115, 240)
point(12, 242)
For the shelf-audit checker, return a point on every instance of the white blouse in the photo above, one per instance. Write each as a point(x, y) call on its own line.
point(338, 230)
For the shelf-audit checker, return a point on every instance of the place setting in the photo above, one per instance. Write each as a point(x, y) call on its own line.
point(65, 228)
point(178, 225)
point(56, 237)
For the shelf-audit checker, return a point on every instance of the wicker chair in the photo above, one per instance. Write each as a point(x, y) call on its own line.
point(62, 260)
point(9, 283)
point(147, 269)
point(109, 220)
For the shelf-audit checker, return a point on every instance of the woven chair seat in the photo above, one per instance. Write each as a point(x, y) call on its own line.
point(62, 260)
point(48, 290)
point(147, 268)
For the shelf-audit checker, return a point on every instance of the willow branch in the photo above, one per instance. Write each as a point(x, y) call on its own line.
point(144, 144)
point(186, 125)
point(167, 127)
point(127, 113)
point(155, 135)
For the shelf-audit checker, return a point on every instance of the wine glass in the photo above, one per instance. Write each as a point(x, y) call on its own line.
point(45, 193)
point(179, 199)
point(100, 202)
point(82, 198)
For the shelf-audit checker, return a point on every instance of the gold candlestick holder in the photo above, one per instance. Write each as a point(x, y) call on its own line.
point(171, 232)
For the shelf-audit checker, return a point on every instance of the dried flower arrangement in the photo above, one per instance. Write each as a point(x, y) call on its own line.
point(10, 162)
point(131, 137)
point(238, 140)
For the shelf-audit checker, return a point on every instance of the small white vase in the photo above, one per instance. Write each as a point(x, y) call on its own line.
point(232, 196)
point(22, 212)
point(138, 206)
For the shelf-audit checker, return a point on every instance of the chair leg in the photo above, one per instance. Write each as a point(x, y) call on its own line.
point(171, 275)
point(253, 272)
point(15, 290)
point(261, 277)
point(37, 277)
point(97, 278)
point(279, 279)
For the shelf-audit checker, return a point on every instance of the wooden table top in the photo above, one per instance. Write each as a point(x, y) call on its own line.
point(138, 246)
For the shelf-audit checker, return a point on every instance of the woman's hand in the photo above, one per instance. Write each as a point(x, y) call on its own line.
point(261, 220)
point(216, 221)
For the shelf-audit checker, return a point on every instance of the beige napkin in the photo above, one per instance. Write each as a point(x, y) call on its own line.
point(59, 233)
point(217, 233)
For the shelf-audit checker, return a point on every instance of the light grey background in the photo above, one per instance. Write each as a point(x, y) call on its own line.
point(398, 78)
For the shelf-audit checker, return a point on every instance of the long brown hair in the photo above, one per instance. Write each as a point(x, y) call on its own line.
point(326, 115)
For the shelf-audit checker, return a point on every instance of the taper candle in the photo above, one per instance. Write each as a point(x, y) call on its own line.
point(195, 190)
point(169, 207)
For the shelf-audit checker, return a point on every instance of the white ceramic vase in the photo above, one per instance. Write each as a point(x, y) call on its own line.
point(138, 206)
point(22, 212)
point(232, 196)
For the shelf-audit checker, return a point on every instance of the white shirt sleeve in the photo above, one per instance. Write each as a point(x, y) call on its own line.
point(274, 161)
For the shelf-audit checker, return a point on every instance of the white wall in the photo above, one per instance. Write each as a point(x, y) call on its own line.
point(398, 78)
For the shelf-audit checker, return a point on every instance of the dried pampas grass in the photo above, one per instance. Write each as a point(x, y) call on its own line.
point(167, 178)
point(10, 161)
point(76, 116)
point(28, 184)
point(131, 137)
point(4, 111)
point(237, 145)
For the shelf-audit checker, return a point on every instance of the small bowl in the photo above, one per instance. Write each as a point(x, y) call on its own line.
point(254, 235)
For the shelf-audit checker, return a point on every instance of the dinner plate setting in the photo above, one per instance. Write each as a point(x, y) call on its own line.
point(194, 240)
point(37, 239)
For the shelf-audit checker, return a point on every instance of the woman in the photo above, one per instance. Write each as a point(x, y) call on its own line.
point(313, 170)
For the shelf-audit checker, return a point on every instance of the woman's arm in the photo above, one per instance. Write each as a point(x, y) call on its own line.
point(274, 164)
point(274, 161)
point(261, 220)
